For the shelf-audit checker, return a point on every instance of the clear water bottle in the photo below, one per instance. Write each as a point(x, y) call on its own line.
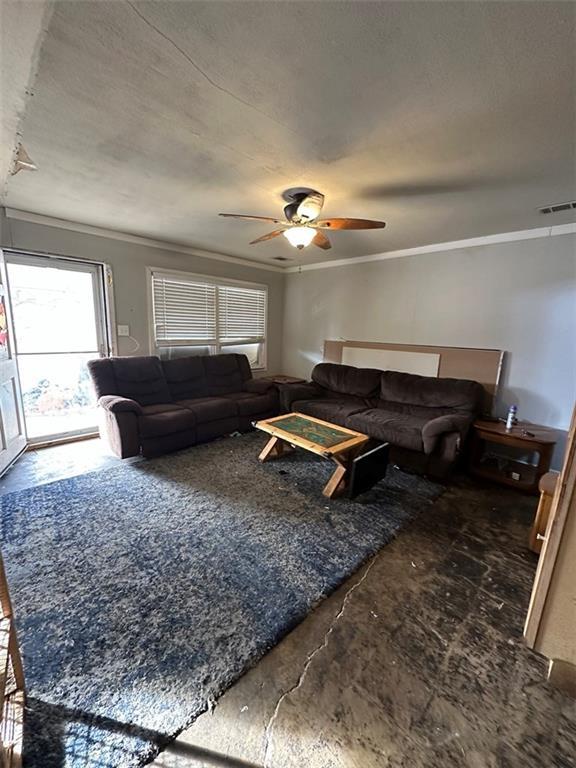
point(511, 418)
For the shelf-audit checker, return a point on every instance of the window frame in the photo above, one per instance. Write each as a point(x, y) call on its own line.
point(219, 347)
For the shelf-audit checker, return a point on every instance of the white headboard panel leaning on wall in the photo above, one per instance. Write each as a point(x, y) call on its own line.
point(482, 365)
point(422, 363)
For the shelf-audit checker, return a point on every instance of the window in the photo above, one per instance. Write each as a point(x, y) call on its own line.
point(196, 315)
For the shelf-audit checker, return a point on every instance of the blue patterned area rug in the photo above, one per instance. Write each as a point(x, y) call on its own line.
point(142, 592)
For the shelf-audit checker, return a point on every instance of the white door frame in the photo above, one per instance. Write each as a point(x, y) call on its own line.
point(103, 308)
point(10, 446)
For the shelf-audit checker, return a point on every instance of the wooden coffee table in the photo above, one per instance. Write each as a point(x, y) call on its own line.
point(295, 430)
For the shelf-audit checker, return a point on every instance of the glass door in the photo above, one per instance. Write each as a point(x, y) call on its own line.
point(59, 324)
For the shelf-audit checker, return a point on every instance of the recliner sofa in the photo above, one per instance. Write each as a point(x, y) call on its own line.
point(150, 406)
point(425, 419)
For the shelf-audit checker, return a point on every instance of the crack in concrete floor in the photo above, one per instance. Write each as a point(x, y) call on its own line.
point(309, 660)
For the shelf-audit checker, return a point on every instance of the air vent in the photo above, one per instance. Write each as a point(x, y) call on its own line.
point(281, 258)
point(558, 207)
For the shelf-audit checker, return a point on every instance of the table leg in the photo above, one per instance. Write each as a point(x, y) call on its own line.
point(274, 447)
point(337, 482)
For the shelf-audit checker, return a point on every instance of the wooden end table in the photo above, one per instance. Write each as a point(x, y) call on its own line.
point(524, 438)
point(280, 378)
point(338, 444)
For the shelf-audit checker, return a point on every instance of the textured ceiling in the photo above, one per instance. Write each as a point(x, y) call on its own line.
point(447, 120)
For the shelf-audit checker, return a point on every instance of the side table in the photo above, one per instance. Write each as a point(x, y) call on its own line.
point(281, 379)
point(523, 438)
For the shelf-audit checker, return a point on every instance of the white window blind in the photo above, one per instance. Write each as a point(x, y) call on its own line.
point(184, 311)
point(221, 317)
point(241, 314)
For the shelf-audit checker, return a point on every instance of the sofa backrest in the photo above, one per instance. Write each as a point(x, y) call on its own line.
point(150, 381)
point(206, 375)
point(226, 374)
point(102, 375)
point(141, 379)
point(186, 377)
point(431, 392)
point(346, 379)
point(138, 378)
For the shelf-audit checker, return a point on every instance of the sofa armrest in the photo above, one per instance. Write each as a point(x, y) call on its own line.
point(119, 425)
point(452, 422)
point(116, 404)
point(258, 386)
point(289, 393)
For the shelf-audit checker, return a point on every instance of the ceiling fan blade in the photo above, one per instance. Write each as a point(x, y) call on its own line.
point(252, 218)
point(349, 224)
point(322, 241)
point(269, 236)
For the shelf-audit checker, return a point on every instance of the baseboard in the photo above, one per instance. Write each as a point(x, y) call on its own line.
point(61, 441)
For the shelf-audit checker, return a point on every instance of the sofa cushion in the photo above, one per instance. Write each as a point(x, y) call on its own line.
point(334, 410)
point(347, 380)
point(154, 410)
point(412, 410)
point(210, 408)
point(141, 379)
point(249, 404)
point(159, 420)
point(432, 392)
point(186, 377)
point(397, 428)
point(224, 374)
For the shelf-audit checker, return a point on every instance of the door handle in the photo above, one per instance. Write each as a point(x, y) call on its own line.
point(540, 537)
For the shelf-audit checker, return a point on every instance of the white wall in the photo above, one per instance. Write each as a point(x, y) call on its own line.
point(129, 262)
point(519, 297)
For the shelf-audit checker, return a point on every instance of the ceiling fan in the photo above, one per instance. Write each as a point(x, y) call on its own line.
point(301, 225)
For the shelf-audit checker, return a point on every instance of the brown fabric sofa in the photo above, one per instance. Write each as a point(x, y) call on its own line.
point(151, 406)
point(425, 419)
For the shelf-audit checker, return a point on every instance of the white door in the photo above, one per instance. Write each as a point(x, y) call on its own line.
point(59, 324)
point(12, 432)
point(552, 601)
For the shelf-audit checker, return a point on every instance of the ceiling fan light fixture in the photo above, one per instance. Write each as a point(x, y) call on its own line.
point(309, 209)
point(299, 237)
point(302, 225)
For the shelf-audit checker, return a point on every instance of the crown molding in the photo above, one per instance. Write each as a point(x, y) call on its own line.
point(112, 234)
point(473, 242)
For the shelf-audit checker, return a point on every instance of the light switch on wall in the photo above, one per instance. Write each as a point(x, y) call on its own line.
point(123, 330)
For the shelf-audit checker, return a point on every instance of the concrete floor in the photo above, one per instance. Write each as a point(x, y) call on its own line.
point(57, 462)
point(416, 661)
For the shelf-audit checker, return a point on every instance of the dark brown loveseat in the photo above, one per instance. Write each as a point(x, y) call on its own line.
point(425, 419)
point(152, 406)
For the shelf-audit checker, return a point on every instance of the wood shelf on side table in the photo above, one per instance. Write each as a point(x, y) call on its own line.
point(523, 437)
